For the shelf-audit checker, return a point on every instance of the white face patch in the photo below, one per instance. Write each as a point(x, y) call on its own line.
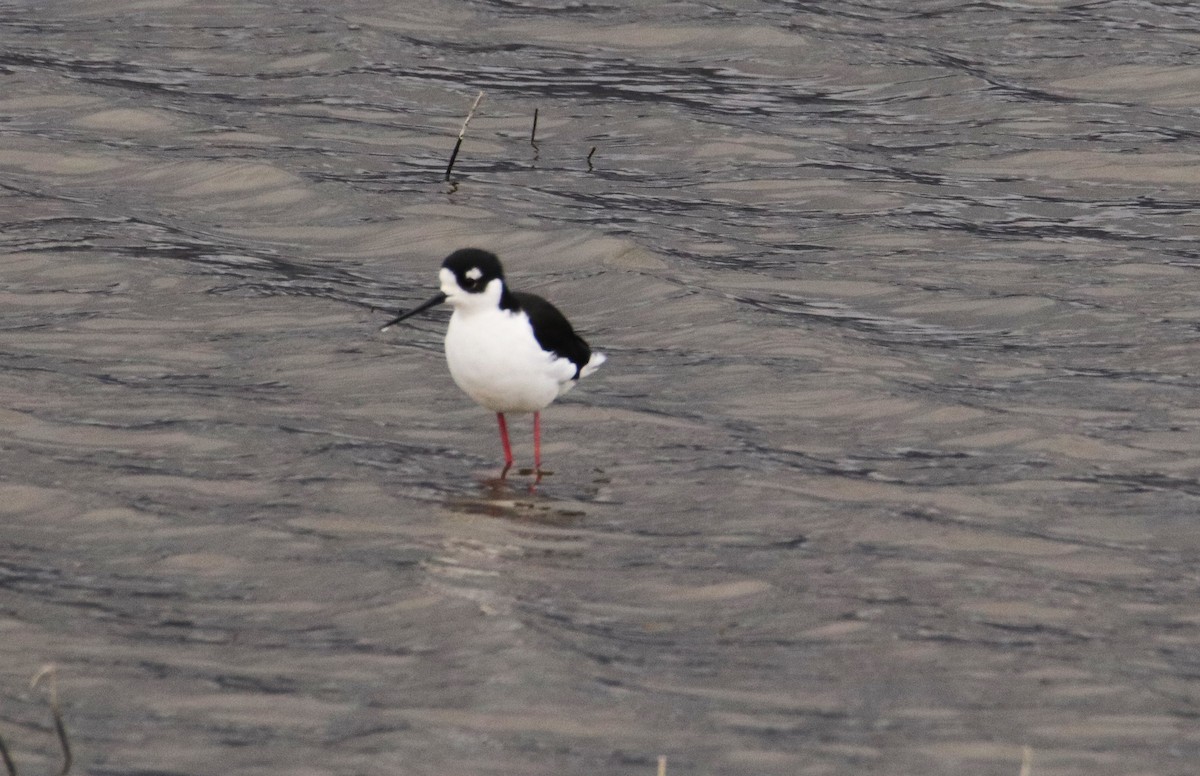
point(485, 298)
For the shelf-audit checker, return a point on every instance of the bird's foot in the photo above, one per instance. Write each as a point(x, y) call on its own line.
point(537, 473)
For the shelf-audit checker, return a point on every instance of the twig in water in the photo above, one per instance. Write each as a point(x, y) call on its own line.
point(589, 159)
point(533, 132)
point(461, 133)
point(59, 726)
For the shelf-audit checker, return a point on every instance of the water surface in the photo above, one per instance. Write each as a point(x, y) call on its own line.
point(892, 468)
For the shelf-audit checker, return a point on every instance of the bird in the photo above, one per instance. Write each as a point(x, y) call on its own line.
point(510, 351)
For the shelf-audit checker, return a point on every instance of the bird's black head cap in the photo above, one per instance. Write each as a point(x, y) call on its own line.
point(474, 268)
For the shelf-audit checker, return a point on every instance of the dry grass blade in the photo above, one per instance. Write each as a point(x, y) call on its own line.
point(1026, 761)
point(9, 765)
point(59, 727)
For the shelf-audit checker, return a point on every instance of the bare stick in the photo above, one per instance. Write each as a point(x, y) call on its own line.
point(589, 159)
point(461, 133)
point(662, 765)
point(59, 726)
point(533, 132)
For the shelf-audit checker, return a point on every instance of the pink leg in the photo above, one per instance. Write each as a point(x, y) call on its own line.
point(508, 459)
point(537, 444)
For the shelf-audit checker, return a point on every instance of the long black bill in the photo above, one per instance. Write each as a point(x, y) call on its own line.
point(434, 302)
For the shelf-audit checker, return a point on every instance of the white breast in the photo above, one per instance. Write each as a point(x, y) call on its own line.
point(494, 357)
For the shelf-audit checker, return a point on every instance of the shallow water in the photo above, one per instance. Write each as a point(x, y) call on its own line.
point(892, 469)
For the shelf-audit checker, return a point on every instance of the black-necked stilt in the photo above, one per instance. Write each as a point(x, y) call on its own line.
point(509, 351)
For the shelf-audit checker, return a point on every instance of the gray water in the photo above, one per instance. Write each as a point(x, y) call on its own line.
point(892, 468)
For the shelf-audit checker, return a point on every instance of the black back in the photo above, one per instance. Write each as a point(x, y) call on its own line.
point(553, 331)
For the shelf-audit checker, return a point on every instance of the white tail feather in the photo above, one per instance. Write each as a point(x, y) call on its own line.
point(593, 364)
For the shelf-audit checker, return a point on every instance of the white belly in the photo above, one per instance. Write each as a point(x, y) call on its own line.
point(494, 358)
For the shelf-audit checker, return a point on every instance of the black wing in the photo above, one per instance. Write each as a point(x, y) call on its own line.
point(553, 330)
